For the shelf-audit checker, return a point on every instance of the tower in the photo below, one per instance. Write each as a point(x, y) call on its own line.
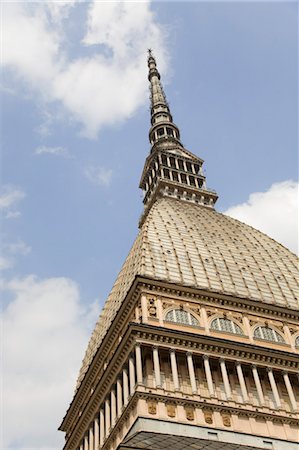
point(197, 344)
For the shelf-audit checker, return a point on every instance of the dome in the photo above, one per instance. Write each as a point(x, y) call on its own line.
point(191, 245)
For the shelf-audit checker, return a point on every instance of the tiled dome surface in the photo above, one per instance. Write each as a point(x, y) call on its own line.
point(193, 246)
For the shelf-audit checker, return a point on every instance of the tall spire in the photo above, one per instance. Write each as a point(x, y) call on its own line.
point(160, 112)
point(170, 169)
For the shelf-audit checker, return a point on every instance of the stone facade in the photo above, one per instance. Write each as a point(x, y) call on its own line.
point(198, 343)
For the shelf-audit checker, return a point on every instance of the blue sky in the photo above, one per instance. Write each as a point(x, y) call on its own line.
point(74, 132)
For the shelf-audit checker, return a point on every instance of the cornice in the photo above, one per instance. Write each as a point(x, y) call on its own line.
point(215, 346)
point(219, 298)
point(199, 404)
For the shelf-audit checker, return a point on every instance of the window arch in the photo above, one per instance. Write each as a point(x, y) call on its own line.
point(181, 316)
point(227, 325)
point(297, 341)
point(267, 334)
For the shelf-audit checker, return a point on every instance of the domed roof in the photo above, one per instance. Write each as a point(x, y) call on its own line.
point(195, 246)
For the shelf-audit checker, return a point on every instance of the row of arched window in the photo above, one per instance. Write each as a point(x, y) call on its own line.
point(184, 317)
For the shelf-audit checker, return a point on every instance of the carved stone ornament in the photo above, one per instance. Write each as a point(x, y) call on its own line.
point(152, 307)
point(170, 407)
point(208, 415)
point(152, 311)
point(226, 419)
point(189, 412)
point(152, 407)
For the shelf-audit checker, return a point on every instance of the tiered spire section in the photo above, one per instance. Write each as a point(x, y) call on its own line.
point(160, 113)
point(170, 169)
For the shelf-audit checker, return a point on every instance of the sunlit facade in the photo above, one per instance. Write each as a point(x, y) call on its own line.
point(197, 346)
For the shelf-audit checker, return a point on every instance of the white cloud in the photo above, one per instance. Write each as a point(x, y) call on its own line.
point(9, 195)
point(58, 151)
point(12, 215)
point(18, 247)
point(99, 175)
point(42, 325)
point(275, 212)
point(10, 252)
point(5, 262)
point(103, 88)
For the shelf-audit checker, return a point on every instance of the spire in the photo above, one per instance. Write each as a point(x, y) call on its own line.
point(160, 112)
point(170, 169)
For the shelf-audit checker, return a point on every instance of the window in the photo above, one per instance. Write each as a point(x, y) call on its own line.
point(164, 160)
point(267, 334)
point(172, 162)
point(183, 178)
point(189, 167)
point(175, 176)
point(192, 180)
point(169, 131)
point(160, 131)
point(181, 164)
point(297, 341)
point(223, 324)
point(166, 173)
point(181, 316)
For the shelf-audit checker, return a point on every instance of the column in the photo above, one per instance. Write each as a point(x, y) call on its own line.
point(86, 441)
point(208, 375)
point(274, 387)
point(227, 388)
point(107, 417)
point(102, 427)
point(159, 311)
point(138, 364)
point(247, 327)
point(96, 433)
point(174, 370)
point(204, 319)
point(125, 386)
point(119, 397)
point(157, 367)
point(91, 443)
point(242, 382)
point(191, 372)
point(132, 375)
point(144, 308)
point(113, 407)
point(81, 445)
point(258, 385)
point(290, 390)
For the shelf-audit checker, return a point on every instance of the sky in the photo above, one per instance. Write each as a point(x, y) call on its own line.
point(74, 138)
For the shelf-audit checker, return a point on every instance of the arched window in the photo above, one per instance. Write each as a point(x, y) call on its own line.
point(223, 324)
point(267, 334)
point(297, 341)
point(181, 316)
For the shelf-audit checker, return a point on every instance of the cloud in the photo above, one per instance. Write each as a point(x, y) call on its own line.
point(13, 215)
point(106, 82)
point(10, 252)
point(9, 197)
point(58, 151)
point(18, 247)
point(43, 324)
point(99, 175)
point(5, 262)
point(275, 212)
